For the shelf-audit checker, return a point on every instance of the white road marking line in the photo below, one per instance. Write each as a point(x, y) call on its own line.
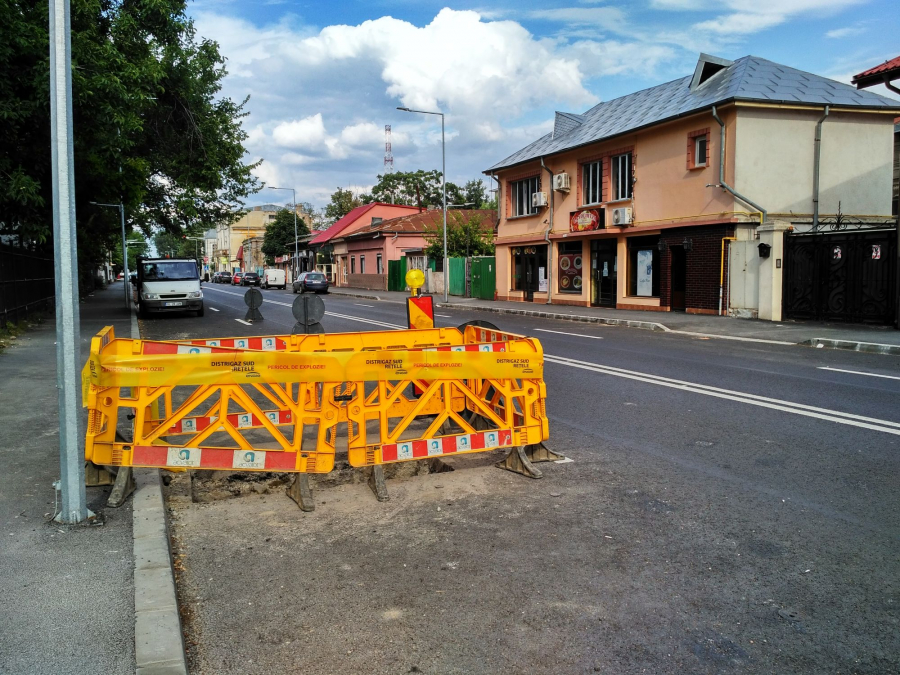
point(562, 332)
point(246, 323)
point(874, 424)
point(731, 337)
point(359, 304)
point(444, 316)
point(857, 372)
point(214, 309)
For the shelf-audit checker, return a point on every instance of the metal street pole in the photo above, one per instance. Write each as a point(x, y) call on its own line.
point(444, 185)
point(73, 504)
point(125, 281)
point(296, 246)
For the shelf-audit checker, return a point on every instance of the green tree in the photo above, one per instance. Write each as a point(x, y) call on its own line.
point(137, 245)
point(279, 237)
point(151, 130)
point(342, 203)
point(475, 192)
point(414, 188)
point(466, 236)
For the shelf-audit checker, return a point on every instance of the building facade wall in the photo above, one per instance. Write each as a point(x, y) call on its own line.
point(775, 158)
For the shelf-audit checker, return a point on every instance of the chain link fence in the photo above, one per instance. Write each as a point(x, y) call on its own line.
point(26, 283)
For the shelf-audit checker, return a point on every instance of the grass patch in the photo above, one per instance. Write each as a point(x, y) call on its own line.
point(10, 332)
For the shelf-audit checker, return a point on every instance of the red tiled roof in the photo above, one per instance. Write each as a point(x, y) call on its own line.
point(343, 223)
point(428, 220)
point(876, 75)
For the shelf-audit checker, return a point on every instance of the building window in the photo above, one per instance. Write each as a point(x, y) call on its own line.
point(643, 267)
point(570, 267)
point(590, 183)
point(698, 149)
point(379, 268)
point(621, 176)
point(362, 264)
point(352, 264)
point(520, 192)
point(529, 268)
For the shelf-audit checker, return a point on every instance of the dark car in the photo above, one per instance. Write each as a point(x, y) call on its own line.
point(250, 279)
point(223, 277)
point(311, 281)
point(236, 279)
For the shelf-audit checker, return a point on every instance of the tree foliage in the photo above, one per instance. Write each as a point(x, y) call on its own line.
point(466, 236)
point(342, 203)
point(279, 237)
point(137, 245)
point(150, 129)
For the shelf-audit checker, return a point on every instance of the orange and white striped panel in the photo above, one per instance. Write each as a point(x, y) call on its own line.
point(446, 445)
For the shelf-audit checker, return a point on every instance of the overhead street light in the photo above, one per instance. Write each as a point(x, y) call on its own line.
point(444, 185)
point(121, 208)
point(296, 246)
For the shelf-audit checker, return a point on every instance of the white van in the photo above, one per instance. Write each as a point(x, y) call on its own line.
point(168, 285)
point(273, 278)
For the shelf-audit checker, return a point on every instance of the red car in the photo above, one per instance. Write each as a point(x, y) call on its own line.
point(237, 278)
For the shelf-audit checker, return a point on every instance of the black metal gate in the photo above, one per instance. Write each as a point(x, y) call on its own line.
point(846, 276)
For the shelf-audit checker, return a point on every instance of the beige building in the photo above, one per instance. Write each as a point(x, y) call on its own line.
point(660, 200)
point(230, 238)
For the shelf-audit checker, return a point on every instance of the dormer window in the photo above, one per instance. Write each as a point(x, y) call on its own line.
point(707, 66)
point(375, 221)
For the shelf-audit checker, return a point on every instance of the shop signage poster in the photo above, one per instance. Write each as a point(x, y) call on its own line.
point(570, 272)
point(645, 273)
point(542, 280)
point(585, 221)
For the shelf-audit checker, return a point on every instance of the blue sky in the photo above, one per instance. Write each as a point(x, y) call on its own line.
point(324, 78)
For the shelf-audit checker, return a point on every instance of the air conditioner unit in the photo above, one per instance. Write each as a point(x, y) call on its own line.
point(538, 200)
point(561, 181)
point(621, 217)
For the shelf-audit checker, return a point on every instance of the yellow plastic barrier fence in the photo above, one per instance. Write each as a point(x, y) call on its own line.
point(291, 402)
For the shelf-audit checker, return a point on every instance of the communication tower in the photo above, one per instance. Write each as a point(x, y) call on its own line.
point(388, 155)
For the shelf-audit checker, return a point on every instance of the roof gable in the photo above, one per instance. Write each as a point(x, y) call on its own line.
point(750, 78)
point(352, 217)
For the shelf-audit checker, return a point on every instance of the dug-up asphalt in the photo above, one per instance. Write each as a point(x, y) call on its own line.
point(66, 592)
point(864, 338)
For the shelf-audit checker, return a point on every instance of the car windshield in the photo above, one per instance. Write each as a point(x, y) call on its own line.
point(170, 271)
point(315, 277)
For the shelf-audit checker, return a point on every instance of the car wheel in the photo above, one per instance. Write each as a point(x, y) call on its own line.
point(200, 311)
point(142, 311)
point(293, 289)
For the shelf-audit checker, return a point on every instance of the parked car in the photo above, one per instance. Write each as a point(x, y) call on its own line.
point(250, 279)
point(223, 277)
point(273, 278)
point(311, 281)
point(236, 279)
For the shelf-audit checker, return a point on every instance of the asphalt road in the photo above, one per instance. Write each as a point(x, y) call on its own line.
point(731, 507)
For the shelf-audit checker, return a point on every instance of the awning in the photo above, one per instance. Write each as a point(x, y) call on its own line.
point(240, 253)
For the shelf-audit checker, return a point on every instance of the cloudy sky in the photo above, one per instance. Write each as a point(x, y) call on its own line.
point(326, 77)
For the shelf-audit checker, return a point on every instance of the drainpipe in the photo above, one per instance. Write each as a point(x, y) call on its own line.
point(547, 239)
point(763, 214)
point(816, 161)
point(722, 271)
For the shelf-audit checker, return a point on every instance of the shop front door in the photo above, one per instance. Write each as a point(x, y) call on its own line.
point(603, 272)
point(679, 277)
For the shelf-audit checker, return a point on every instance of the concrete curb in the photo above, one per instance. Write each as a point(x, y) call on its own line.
point(630, 323)
point(868, 347)
point(158, 640)
point(358, 295)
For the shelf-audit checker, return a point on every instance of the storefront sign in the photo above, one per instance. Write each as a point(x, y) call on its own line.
point(587, 220)
point(645, 273)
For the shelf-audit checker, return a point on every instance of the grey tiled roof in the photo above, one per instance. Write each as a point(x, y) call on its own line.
point(748, 79)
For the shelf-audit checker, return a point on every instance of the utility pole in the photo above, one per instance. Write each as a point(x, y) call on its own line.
point(73, 503)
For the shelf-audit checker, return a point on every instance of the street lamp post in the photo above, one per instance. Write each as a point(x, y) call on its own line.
point(296, 247)
point(444, 185)
point(121, 208)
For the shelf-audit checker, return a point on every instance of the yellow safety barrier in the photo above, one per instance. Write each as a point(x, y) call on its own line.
point(290, 403)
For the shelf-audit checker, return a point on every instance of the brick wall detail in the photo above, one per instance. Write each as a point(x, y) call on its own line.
point(703, 260)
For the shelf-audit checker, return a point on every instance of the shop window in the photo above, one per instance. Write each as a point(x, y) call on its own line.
point(590, 183)
point(529, 266)
point(570, 267)
point(621, 176)
point(643, 267)
point(362, 264)
point(379, 268)
point(520, 192)
point(352, 264)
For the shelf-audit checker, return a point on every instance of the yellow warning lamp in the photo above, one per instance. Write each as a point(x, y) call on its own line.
point(415, 279)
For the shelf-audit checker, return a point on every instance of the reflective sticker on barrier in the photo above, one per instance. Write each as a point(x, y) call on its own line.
point(213, 458)
point(191, 425)
point(483, 440)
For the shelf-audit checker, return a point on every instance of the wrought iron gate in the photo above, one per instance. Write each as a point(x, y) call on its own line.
point(846, 276)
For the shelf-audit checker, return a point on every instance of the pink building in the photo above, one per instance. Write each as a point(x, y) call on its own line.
point(331, 241)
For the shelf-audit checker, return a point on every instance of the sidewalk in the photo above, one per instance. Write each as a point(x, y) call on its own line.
point(67, 591)
point(880, 339)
